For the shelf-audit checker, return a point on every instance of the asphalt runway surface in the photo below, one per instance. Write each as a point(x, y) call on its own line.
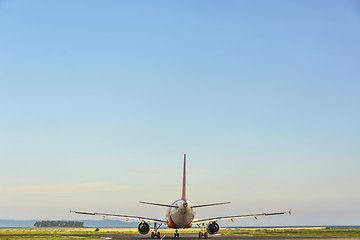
point(218, 237)
point(194, 236)
point(188, 236)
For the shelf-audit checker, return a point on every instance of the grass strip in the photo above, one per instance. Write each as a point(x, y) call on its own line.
point(61, 233)
point(298, 232)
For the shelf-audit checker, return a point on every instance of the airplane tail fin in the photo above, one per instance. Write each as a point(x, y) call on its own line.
point(183, 197)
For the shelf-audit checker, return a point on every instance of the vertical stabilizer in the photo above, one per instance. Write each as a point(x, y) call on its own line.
point(184, 181)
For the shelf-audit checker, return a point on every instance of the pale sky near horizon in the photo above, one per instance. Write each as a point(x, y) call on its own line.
point(99, 100)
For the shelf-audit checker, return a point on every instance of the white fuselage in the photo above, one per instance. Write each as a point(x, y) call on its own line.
point(180, 216)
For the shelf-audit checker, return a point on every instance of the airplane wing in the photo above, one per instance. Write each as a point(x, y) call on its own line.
point(147, 219)
point(199, 221)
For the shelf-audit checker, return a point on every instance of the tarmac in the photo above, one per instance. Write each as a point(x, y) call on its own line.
point(193, 236)
point(188, 236)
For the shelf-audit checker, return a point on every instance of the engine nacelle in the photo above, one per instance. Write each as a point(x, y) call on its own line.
point(212, 228)
point(143, 228)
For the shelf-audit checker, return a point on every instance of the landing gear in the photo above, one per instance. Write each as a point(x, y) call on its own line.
point(205, 235)
point(176, 234)
point(203, 232)
point(155, 234)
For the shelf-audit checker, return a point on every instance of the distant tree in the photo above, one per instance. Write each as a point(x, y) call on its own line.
point(58, 224)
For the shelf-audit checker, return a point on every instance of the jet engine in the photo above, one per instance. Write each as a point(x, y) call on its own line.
point(212, 227)
point(143, 228)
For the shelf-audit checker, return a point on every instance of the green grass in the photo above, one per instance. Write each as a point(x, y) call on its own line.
point(91, 233)
point(299, 232)
point(62, 231)
point(57, 233)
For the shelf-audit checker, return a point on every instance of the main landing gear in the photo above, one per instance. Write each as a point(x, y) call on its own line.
point(156, 233)
point(203, 232)
point(205, 235)
point(153, 235)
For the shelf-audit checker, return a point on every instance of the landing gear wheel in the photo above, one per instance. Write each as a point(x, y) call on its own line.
point(152, 235)
point(177, 235)
point(158, 235)
point(200, 235)
point(206, 235)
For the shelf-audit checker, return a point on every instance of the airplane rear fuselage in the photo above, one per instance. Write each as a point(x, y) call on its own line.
point(180, 216)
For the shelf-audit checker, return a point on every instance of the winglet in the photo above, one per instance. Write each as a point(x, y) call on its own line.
point(184, 181)
point(290, 211)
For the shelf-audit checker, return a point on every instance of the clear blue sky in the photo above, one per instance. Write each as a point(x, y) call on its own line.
point(99, 100)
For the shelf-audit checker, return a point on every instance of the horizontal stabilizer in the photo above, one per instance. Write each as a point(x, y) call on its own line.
point(159, 204)
point(209, 204)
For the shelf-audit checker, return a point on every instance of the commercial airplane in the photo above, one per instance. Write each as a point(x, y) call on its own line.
point(180, 214)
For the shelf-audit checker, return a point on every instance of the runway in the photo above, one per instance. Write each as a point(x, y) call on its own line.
point(185, 236)
point(193, 236)
point(234, 237)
